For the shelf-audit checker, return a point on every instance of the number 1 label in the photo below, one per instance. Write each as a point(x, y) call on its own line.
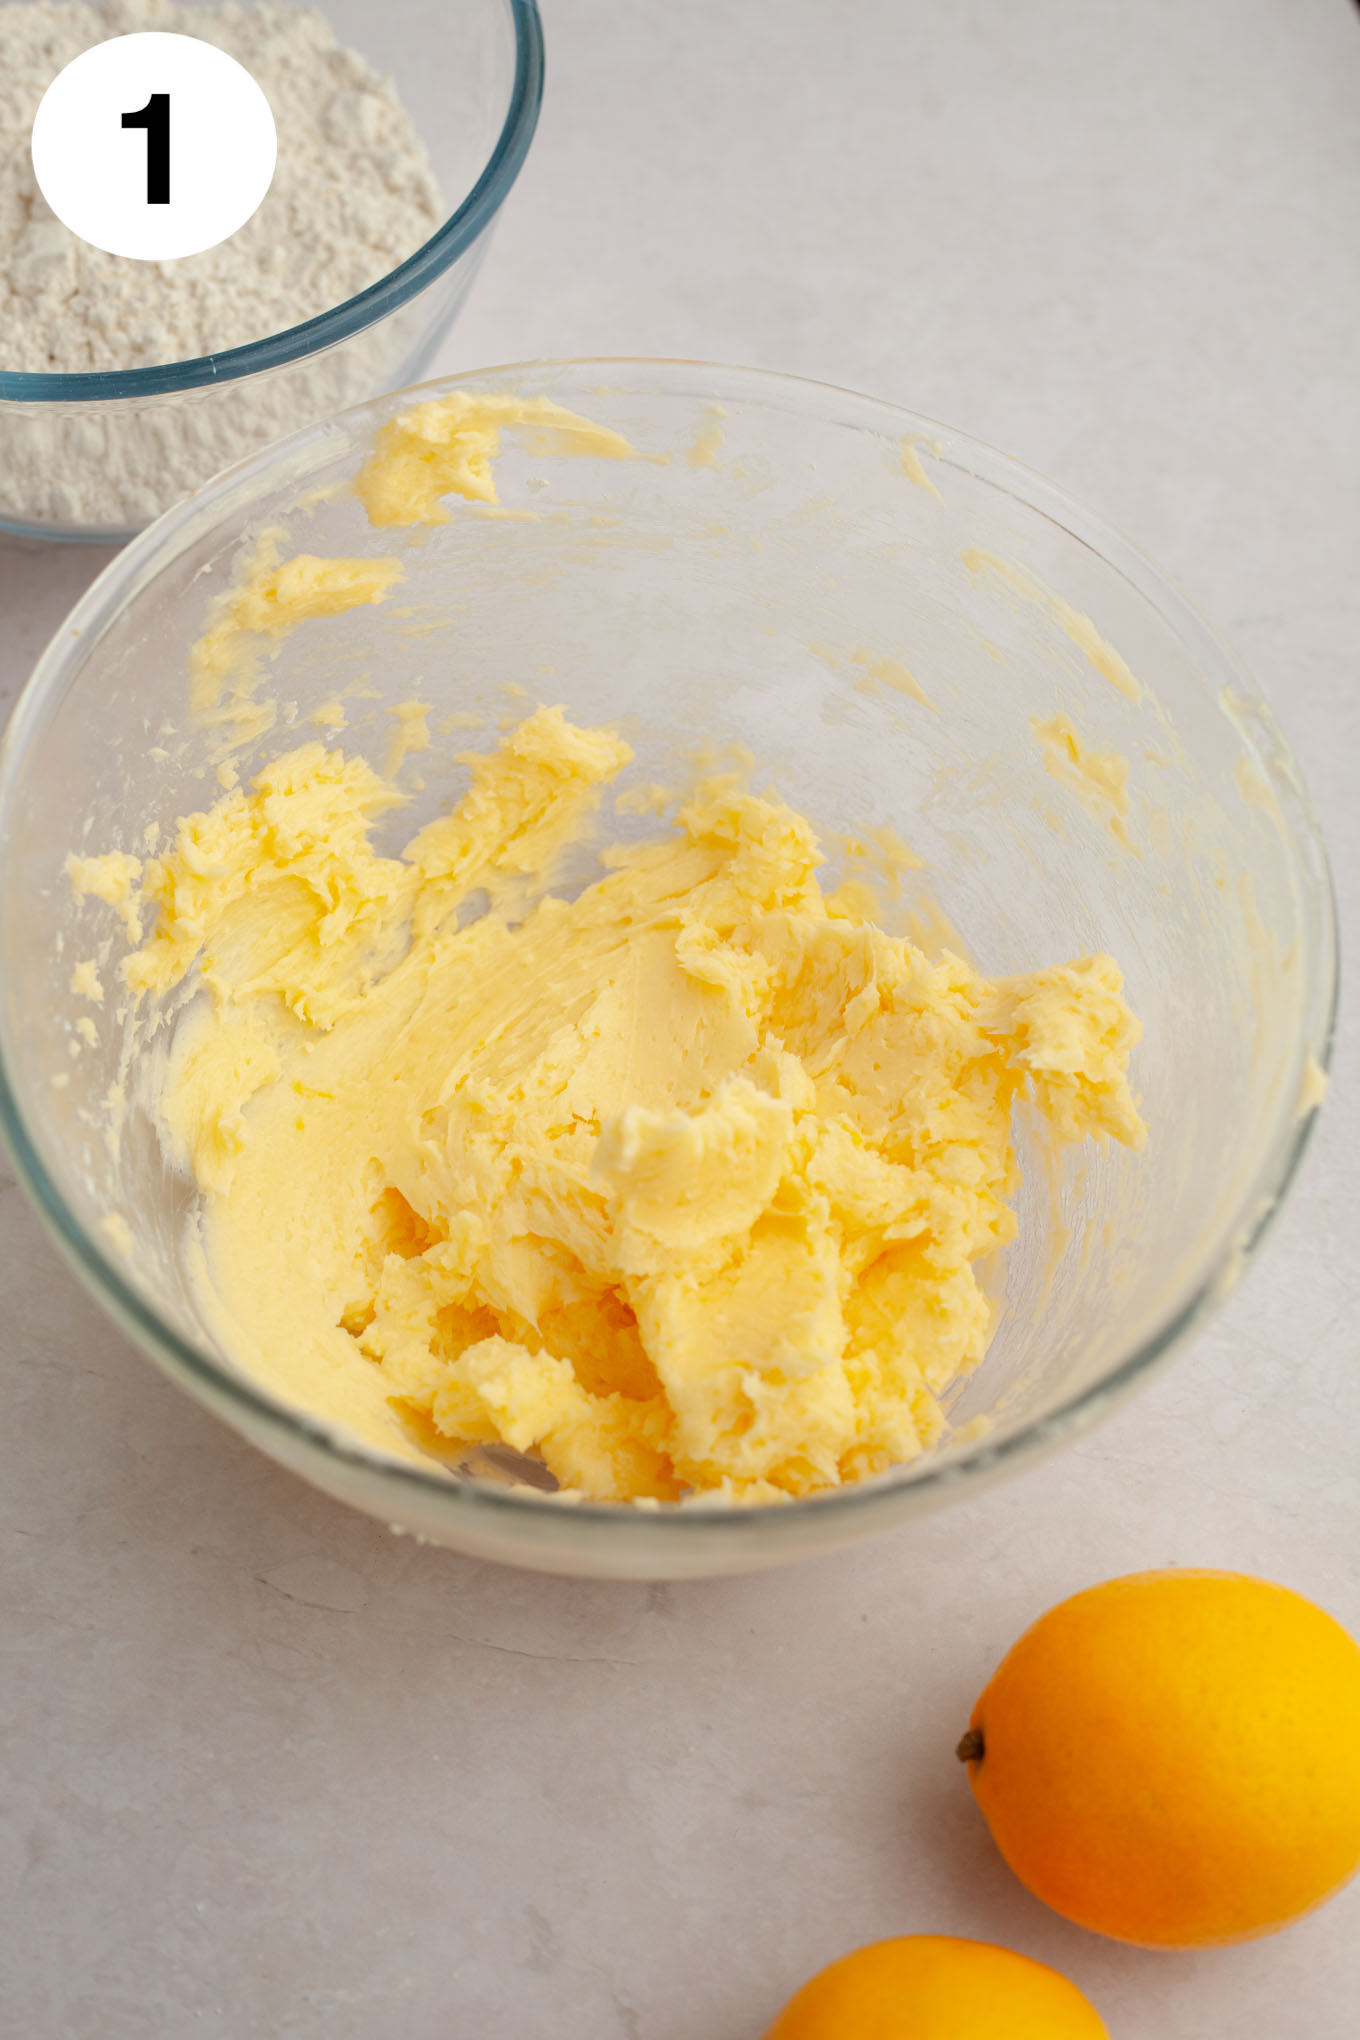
point(155, 118)
point(192, 182)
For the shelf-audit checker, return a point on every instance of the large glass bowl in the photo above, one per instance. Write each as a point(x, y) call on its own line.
point(745, 585)
point(94, 457)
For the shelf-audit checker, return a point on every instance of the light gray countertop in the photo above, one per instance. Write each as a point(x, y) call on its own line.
point(272, 1771)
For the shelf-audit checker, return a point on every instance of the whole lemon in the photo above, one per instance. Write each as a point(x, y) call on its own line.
point(1173, 1759)
point(932, 1987)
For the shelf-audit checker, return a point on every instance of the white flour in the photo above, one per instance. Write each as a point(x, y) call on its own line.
point(353, 195)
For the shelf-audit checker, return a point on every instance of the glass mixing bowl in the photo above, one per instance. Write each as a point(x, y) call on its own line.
point(94, 457)
point(791, 569)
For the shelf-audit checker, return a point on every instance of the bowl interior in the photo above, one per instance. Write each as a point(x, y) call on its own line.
point(878, 613)
point(453, 62)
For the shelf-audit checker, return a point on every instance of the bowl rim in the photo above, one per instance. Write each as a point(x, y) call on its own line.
point(463, 227)
point(886, 1497)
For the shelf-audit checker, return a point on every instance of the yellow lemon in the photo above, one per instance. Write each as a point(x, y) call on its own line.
point(1174, 1758)
point(932, 1987)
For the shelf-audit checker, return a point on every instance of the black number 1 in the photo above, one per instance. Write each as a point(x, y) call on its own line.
point(155, 118)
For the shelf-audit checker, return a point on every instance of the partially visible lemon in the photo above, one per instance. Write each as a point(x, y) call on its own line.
point(932, 1987)
point(1174, 1758)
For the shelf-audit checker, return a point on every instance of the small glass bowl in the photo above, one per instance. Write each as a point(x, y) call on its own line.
point(791, 571)
point(94, 457)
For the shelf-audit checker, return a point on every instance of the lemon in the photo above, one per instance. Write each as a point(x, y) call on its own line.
point(1173, 1759)
point(932, 1987)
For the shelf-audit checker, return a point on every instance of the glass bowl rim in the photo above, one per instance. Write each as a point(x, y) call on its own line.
point(885, 1496)
point(464, 226)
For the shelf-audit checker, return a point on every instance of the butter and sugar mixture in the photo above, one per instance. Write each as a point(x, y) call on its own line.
point(679, 1184)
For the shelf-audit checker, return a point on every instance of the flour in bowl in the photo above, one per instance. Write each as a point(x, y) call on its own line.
point(353, 196)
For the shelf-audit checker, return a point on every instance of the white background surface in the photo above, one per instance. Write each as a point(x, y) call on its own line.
point(273, 1772)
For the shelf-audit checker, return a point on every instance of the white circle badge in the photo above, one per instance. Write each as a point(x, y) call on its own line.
point(154, 146)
